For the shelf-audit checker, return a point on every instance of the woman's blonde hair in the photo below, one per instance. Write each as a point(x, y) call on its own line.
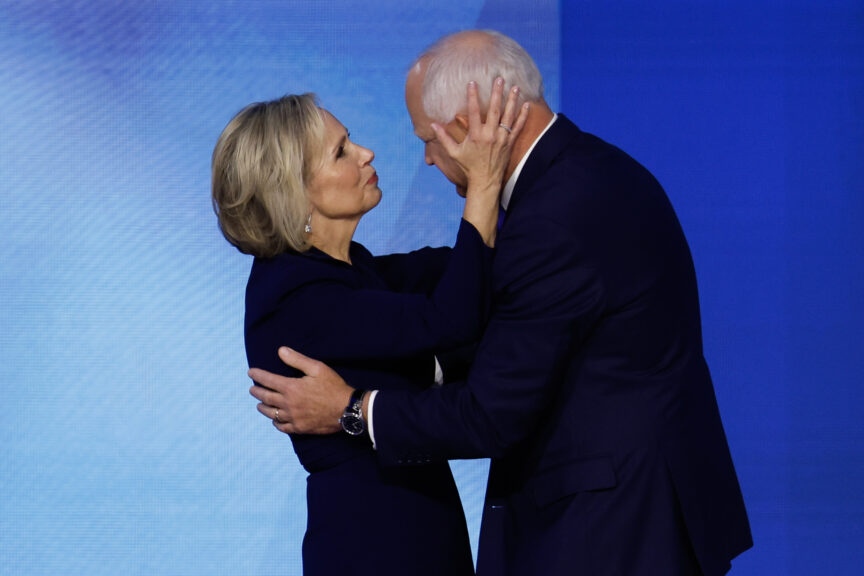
point(261, 164)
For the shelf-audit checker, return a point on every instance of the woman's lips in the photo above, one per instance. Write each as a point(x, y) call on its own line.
point(373, 180)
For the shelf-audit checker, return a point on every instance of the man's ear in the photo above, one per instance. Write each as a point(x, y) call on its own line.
point(462, 121)
point(458, 127)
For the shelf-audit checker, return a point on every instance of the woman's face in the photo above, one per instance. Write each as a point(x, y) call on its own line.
point(345, 185)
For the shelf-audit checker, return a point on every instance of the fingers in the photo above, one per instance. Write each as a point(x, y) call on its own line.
point(278, 415)
point(272, 403)
point(280, 418)
point(261, 393)
point(493, 115)
point(267, 379)
point(293, 359)
point(286, 427)
point(474, 121)
point(520, 122)
point(510, 108)
point(498, 126)
point(450, 145)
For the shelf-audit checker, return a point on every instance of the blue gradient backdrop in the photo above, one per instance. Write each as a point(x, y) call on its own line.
point(128, 442)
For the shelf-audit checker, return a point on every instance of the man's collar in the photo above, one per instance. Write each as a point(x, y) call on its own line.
point(511, 182)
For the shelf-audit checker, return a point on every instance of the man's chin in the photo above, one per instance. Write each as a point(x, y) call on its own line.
point(461, 190)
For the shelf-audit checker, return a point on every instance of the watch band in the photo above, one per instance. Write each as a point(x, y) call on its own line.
point(356, 396)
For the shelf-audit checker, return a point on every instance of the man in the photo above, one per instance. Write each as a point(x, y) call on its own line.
point(589, 389)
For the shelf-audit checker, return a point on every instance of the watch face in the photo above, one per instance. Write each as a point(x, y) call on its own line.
point(353, 424)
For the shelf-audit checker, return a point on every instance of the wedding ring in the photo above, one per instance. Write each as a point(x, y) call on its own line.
point(505, 127)
point(276, 417)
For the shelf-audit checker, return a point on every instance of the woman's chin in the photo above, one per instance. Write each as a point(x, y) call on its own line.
point(373, 203)
point(377, 198)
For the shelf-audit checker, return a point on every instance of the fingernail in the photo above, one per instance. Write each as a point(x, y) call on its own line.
point(499, 81)
point(472, 84)
point(527, 105)
point(515, 89)
point(434, 126)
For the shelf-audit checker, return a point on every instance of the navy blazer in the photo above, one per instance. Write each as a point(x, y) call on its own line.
point(377, 322)
point(589, 389)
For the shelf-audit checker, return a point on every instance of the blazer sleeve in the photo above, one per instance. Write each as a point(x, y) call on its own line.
point(456, 362)
point(331, 320)
point(542, 313)
point(417, 271)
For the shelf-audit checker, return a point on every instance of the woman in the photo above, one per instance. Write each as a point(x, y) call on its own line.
point(290, 187)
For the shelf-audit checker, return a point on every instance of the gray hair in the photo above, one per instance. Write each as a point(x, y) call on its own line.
point(454, 60)
point(262, 164)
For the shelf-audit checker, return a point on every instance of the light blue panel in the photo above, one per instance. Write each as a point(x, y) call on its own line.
point(129, 442)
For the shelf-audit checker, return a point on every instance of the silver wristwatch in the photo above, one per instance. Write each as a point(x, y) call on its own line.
point(352, 418)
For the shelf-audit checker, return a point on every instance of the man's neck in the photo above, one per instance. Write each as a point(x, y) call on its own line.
point(538, 118)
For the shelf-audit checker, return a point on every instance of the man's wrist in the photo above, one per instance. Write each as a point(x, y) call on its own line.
point(353, 420)
point(345, 399)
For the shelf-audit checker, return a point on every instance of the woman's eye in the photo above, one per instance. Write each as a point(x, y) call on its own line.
point(340, 152)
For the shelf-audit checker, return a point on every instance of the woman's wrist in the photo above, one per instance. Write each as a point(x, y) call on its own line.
point(483, 191)
point(484, 217)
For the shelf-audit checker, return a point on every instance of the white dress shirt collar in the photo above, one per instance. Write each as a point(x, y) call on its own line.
point(511, 182)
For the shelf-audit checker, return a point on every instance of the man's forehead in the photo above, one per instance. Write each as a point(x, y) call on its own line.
point(414, 102)
point(421, 123)
point(423, 131)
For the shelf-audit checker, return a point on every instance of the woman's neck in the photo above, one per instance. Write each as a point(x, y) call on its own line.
point(333, 237)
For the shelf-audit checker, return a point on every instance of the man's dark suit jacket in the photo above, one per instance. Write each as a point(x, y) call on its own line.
point(378, 323)
point(589, 390)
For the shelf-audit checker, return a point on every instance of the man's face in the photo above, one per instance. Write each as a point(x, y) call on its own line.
point(434, 153)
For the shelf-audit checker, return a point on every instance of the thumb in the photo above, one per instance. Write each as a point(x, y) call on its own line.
point(450, 145)
point(297, 360)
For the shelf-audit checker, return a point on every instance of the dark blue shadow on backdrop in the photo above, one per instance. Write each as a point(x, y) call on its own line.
point(750, 115)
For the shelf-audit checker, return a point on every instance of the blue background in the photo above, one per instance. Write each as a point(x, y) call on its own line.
point(128, 442)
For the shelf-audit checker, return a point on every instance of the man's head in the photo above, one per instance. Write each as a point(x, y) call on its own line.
point(435, 90)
